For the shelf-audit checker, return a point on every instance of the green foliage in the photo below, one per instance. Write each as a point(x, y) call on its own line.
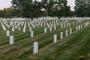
point(30, 8)
point(6, 12)
point(58, 8)
point(82, 8)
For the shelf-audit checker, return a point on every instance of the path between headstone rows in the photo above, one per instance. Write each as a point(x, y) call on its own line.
point(17, 36)
point(51, 45)
point(75, 48)
point(43, 49)
point(76, 45)
point(6, 49)
point(28, 47)
point(20, 43)
point(47, 44)
point(68, 52)
point(6, 45)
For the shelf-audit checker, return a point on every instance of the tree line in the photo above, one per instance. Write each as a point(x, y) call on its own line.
point(35, 8)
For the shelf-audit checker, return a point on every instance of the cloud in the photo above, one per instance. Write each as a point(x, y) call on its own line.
point(5, 4)
point(71, 3)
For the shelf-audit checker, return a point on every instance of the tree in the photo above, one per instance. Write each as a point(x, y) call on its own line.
point(7, 12)
point(58, 8)
point(82, 8)
point(1, 13)
point(30, 8)
point(25, 7)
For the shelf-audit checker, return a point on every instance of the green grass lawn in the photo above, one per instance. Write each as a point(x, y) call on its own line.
point(70, 48)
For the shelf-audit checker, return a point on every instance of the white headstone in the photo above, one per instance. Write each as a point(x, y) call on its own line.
point(70, 30)
point(30, 28)
point(24, 30)
point(35, 48)
point(76, 28)
point(7, 33)
point(32, 34)
point(61, 35)
point(55, 38)
point(69, 24)
point(79, 27)
point(54, 27)
point(11, 40)
point(13, 29)
point(45, 30)
point(66, 33)
point(61, 25)
point(50, 28)
point(65, 24)
point(73, 23)
point(41, 25)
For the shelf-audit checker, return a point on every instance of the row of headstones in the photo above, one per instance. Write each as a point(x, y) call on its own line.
point(49, 25)
point(53, 26)
point(8, 24)
point(11, 24)
point(36, 44)
point(67, 32)
point(15, 21)
point(22, 23)
point(45, 30)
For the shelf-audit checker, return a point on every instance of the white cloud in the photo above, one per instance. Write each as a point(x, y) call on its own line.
point(71, 3)
point(5, 4)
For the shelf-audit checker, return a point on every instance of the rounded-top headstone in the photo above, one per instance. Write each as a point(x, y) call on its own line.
point(55, 38)
point(11, 40)
point(7, 33)
point(61, 35)
point(35, 47)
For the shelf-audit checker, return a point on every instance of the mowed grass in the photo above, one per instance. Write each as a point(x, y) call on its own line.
point(70, 48)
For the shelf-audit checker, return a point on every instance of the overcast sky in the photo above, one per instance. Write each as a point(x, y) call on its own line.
point(71, 3)
point(7, 3)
